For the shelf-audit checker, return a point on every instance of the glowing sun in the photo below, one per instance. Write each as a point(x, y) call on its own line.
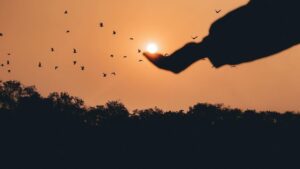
point(152, 48)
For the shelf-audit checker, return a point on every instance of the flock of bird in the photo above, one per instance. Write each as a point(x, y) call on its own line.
point(75, 51)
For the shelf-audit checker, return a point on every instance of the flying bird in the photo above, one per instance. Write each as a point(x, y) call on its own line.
point(114, 73)
point(40, 64)
point(74, 51)
point(67, 31)
point(66, 12)
point(2, 65)
point(101, 24)
point(8, 54)
point(104, 74)
point(74, 62)
point(9, 71)
point(82, 68)
point(194, 37)
point(114, 32)
point(131, 38)
point(140, 60)
point(7, 62)
point(56, 67)
point(52, 49)
point(111, 55)
point(218, 11)
point(124, 56)
point(139, 50)
point(1, 34)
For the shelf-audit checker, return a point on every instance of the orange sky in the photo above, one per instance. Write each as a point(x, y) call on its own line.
point(32, 27)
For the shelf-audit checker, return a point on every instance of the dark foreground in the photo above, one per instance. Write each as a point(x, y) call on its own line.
point(60, 132)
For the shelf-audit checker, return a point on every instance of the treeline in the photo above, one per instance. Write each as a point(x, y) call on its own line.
point(59, 131)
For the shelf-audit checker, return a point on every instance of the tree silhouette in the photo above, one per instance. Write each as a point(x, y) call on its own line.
point(60, 131)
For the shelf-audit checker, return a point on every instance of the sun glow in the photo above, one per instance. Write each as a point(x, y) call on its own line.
point(152, 48)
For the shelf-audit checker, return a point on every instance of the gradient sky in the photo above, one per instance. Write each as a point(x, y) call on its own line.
point(32, 27)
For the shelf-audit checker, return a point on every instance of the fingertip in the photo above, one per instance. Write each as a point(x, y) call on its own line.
point(146, 54)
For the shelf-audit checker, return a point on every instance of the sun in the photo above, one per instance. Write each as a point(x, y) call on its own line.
point(152, 48)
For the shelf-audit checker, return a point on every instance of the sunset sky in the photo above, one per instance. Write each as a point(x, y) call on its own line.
point(32, 27)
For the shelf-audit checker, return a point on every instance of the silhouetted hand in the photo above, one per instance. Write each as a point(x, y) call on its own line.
point(157, 59)
point(179, 60)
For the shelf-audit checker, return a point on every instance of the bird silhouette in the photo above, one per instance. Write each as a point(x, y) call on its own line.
point(101, 24)
point(114, 73)
point(194, 37)
point(40, 64)
point(114, 32)
point(52, 49)
point(139, 50)
point(74, 62)
point(140, 60)
point(124, 56)
point(67, 31)
point(111, 55)
point(104, 74)
point(74, 51)
point(131, 38)
point(82, 68)
point(218, 11)
point(7, 62)
point(8, 70)
point(66, 12)
point(1, 34)
point(2, 65)
point(56, 67)
point(8, 54)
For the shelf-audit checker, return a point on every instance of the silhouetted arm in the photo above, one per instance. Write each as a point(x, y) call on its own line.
point(254, 31)
point(257, 30)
